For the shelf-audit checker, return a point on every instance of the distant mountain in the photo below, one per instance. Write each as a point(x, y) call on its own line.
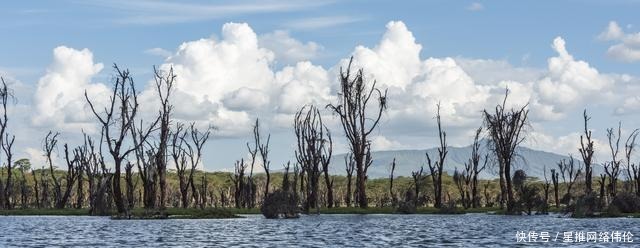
point(532, 161)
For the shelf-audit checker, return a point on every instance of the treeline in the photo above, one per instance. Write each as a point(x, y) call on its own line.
point(157, 163)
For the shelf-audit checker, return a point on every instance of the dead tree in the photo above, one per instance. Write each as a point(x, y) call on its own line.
point(98, 176)
point(7, 148)
point(633, 172)
point(164, 84)
point(249, 189)
point(602, 183)
point(238, 183)
point(145, 159)
point(612, 168)
point(459, 180)
point(194, 152)
point(179, 155)
point(354, 95)
point(36, 188)
point(6, 142)
point(555, 178)
point(50, 144)
point(263, 149)
point(569, 173)
point(129, 185)
point(437, 168)
point(586, 151)
point(391, 193)
point(418, 178)
point(80, 181)
point(314, 148)
point(505, 129)
point(473, 169)
point(350, 167)
point(116, 124)
point(546, 186)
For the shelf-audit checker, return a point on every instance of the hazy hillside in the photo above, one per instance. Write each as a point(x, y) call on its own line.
point(532, 161)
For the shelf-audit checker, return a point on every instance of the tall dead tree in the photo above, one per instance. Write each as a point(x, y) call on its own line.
point(352, 108)
point(586, 151)
point(164, 85)
point(556, 187)
point(569, 172)
point(263, 149)
point(194, 152)
point(238, 183)
point(473, 169)
point(460, 181)
point(392, 195)
point(6, 141)
point(505, 129)
point(546, 186)
point(437, 168)
point(612, 168)
point(314, 148)
point(116, 124)
point(633, 172)
point(7, 148)
point(179, 155)
point(418, 178)
point(145, 159)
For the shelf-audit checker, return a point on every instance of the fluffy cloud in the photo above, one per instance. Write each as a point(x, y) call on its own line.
point(628, 47)
point(569, 81)
point(234, 76)
point(288, 50)
point(59, 97)
point(230, 81)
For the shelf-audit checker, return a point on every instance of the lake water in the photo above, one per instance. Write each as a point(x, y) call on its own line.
point(469, 230)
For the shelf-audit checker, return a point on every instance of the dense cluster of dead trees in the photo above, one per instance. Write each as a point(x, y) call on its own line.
point(143, 151)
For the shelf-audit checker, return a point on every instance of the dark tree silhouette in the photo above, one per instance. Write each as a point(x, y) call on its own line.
point(194, 152)
point(555, 176)
point(145, 154)
point(546, 186)
point(179, 155)
point(473, 169)
point(633, 172)
point(6, 141)
point(116, 125)
point(263, 149)
point(350, 167)
point(586, 151)
point(314, 148)
point(391, 193)
point(164, 85)
point(352, 108)
point(612, 168)
point(569, 172)
point(505, 129)
point(418, 179)
point(238, 183)
point(437, 168)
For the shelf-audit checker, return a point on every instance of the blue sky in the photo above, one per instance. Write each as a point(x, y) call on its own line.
point(518, 34)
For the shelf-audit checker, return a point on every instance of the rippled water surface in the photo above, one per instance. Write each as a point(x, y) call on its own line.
point(470, 230)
